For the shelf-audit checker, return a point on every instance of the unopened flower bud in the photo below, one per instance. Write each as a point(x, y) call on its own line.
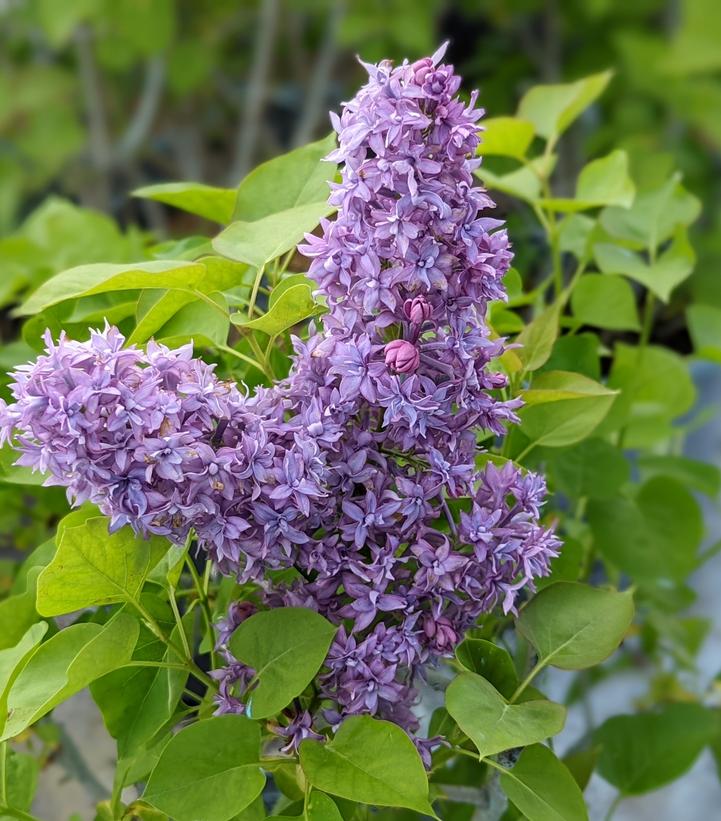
point(418, 310)
point(421, 68)
point(402, 356)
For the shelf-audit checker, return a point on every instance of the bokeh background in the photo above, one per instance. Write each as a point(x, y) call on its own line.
point(99, 97)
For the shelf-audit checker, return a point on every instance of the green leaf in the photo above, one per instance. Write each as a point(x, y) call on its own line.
point(19, 772)
point(263, 240)
point(581, 764)
point(13, 474)
point(319, 807)
point(209, 770)
point(552, 108)
point(537, 338)
point(704, 324)
point(297, 178)
point(577, 352)
point(523, 183)
point(642, 752)
point(656, 388)
point(490, 661)
point(64, 665)
point(286, 647)
point(154, 309)
point(369, 761)
point(654, 216)
point(604, 181)
point(654, 536)
point(506, 137)
point(198, 322)
point(136, 702)
point(574, 235)
point(563, 408)
point(292, 306)
point(99, 278)
point(13, 659)
point(93, 567)
point(695, 475)
point(215, 204)
point(542, 787)
point(671, 268)
point(493, 724)
point(18, 612)
point(606, 302)
point(694, 45)
point(592, 468)
point(573, 626)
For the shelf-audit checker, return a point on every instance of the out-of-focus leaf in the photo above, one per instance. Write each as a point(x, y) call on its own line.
point(604, 181)
point(537, 338)
point(700, 476)
point(654, 536)
point(18, 612)
point(704, 324)
point(523, 183)
point(552, 108)
point(671, 268)
point(592, 468)
point(506, 137)
point(630, 746)
point(606, 302)
point(654, 216)
point(656, 388)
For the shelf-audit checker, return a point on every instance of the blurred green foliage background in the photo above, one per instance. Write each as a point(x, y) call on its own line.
point(98, 97)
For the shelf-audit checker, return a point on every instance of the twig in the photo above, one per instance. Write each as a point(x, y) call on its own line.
point(321, 75)
point(249, 124)
point(150, 96)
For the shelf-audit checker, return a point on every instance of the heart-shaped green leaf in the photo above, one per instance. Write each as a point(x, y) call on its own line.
point(369, 761)
point(493, 724)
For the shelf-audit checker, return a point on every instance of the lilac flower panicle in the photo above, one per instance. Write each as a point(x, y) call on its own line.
point(344, 470)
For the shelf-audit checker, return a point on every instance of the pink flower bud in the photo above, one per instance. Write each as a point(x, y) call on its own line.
point(402, 356)
point(418, 309)
point(421, 68)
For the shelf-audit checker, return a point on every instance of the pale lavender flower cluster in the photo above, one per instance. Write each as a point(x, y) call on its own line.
point(359, 472)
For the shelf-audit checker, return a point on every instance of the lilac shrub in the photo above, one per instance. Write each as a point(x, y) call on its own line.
point(360, 471)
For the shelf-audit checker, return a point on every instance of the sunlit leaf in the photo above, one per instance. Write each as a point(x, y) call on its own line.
point(369, 761)
point(552, 108)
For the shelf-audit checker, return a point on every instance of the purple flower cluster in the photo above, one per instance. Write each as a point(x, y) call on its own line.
point(359, 473)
